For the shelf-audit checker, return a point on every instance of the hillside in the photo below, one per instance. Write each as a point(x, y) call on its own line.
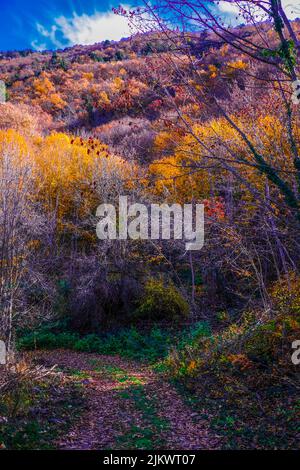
point(85, 87)
point(207, 117)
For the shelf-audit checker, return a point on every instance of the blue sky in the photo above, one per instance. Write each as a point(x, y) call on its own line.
point(53, 24)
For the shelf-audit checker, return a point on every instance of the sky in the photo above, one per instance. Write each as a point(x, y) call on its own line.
point(55, 24)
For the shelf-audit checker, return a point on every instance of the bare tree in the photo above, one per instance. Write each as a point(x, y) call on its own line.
point(16, 221)
point(184, 24)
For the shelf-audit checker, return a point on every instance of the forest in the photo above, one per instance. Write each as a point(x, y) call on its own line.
point(142, 343)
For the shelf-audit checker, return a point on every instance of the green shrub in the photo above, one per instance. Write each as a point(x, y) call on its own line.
point(47, 340)
point(61, 306)
point(90, 343)
point(285, 295)
point(192, 337)
point(136, 345)
point(161, 301)
point(146, 346)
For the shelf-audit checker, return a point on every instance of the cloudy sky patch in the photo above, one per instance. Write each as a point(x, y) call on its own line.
point(84, 29)
point(55, 24)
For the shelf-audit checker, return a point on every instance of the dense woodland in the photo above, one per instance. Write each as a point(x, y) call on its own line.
point(176, 115)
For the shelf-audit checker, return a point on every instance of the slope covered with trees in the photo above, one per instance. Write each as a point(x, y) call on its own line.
point(206, 116)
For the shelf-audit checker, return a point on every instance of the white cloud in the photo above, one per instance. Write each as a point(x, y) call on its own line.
point(38, 46)
point(90, 29)
point(291, 7)
point(84, 29)
point(51, 35)
point(228, 8)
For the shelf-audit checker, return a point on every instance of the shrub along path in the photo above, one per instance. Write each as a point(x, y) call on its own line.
point(128, 406)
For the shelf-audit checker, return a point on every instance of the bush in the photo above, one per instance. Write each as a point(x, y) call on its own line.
point(162, 302)
point(48, 340)
point(150, 347)
point(262, 343)
point(285, 295)
point(192, 337)
point(89, 343)
point(240, 376)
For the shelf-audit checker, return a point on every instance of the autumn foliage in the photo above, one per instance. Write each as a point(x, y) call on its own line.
point(194, 118)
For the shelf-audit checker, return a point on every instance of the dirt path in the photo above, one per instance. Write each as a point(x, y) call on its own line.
point(128, 407)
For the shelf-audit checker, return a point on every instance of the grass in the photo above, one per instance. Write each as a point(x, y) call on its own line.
point(80, 374)
point(148, 434)
point(150, 347)
point(261, 420)
point(43, 413)
point(243, 405)
point(130, 343)
point(115, 373)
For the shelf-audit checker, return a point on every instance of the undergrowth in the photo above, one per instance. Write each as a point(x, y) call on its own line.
point(33, 415)
point(147, 433)
point(131, 343)
point(243, 377)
